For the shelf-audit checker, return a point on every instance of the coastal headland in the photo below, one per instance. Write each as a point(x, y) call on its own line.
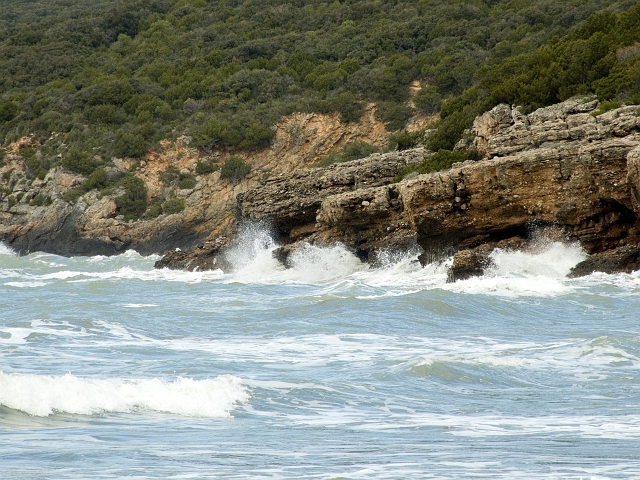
point(561, 172)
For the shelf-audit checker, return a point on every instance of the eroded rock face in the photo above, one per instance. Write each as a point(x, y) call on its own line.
point(291, 203)
point(559, 165)
point(623, 259)
point(92, 225)
point(206, 256)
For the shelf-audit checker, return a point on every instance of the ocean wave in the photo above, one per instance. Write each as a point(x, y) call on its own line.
point(596, 426)
point(540, 272)
point(42, 395)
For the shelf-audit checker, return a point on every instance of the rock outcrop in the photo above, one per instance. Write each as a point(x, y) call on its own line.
point(560, 166)
point(92, 225)
point(564, 166)
point(293, 203)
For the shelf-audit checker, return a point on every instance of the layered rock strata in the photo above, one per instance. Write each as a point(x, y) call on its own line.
point(561, 165)
point(289, 205)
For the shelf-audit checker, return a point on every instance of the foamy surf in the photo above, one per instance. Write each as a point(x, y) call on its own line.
point(540, 272)
point(253, 261)
point(42, 395)
point(4, 250)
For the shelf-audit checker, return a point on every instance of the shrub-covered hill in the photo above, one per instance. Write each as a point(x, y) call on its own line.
point(600, 57)
point(115, 77)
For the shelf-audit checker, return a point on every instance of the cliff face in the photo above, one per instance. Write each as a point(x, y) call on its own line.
point(559, 166)
point(562, 167)
point(92, 225)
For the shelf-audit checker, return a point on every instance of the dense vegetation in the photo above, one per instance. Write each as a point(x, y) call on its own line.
point(601, 57)
point(117, 76)
point(113, 77)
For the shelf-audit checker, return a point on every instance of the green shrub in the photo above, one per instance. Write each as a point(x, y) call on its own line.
point(130, 145)
point(605, 106)
point(106, 114)
point(441, 160)
point(234, 170)
point(8, 111)
point(98, 179)
point(428, 100)
point(187, 181)
point(393, 114)
point(357, 149)
point(78, 162)
point(73, 194)
point(12, 201)
point(40, 200)
point(403, 140)
point(205, 167)
point(34, 164)
point(333, 157)
point(451, 128)
point(256, 136)
point(347, 104)
point(133, 203)
point(169, 175)
point(173, 205)
point(351, 151)
point(154, 210)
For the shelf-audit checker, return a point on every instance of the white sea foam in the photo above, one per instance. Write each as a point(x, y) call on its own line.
point(44, 395)
point(253, 262)
point(32, 284)
point(540, 272)
point(4, 250)
point(596, 426)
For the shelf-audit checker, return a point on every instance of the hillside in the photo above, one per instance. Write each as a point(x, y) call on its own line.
point(101, 93)
point(117, 77)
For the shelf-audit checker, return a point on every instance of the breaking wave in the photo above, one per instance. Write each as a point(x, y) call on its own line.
point(540, 272)
point(41, 395)
point(4, 250)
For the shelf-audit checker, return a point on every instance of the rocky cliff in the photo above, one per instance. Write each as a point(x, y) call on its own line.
point(567, 168)
point(564, 168)
point(37, 215)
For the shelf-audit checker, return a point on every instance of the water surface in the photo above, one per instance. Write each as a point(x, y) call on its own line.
point(111, 369)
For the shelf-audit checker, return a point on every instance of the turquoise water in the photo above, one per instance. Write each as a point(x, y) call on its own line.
point(110, 369)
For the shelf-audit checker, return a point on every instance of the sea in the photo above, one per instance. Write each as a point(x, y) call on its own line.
point(330, 369)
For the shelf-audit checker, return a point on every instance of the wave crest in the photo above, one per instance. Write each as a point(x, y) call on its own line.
point(42, 395)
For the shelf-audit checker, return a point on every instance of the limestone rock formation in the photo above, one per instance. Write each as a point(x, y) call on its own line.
point(206, 256)
point(560, 165)
point(92, 225)
point(292, 202)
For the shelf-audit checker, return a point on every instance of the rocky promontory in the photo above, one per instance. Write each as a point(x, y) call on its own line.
point(566, 168)
point(38, 214)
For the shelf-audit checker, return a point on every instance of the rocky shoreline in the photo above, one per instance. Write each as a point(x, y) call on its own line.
point(564, 170)
point(561, 169)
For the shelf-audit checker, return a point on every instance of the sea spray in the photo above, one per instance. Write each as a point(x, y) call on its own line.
point(4, 250)
point(253, 261)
